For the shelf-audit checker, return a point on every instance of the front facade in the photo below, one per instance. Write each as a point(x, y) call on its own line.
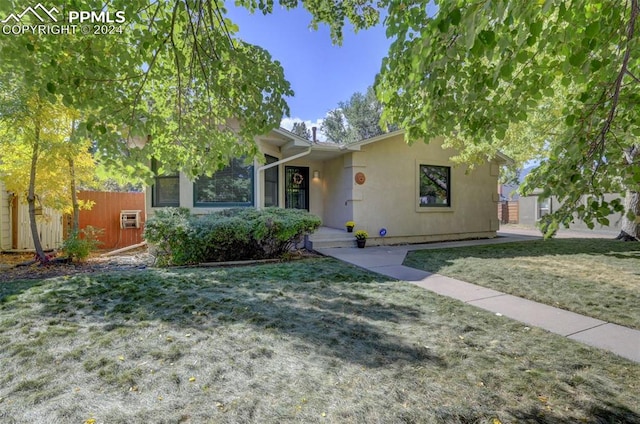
point(398, 193)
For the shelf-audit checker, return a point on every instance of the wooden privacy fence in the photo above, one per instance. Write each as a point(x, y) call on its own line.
point(508, 212)
point(107, 213)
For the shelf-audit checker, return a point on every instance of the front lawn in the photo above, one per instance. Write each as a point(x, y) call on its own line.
point(312, 341)
point(594, 277)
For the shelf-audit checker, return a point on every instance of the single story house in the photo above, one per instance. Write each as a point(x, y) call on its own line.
point(532, 208)
point(398, 193)
point(15, 230)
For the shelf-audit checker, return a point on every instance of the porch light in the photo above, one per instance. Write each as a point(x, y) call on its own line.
point(316, 175)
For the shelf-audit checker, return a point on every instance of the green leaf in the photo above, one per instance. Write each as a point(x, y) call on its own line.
point(455, 16)
point(592, 29)
point(443, 25)
point(578, 58)
point(535, 28)
point(51, 87)
point(506, 70)
point(487, 37)
point(570, 120)
point(522, 56)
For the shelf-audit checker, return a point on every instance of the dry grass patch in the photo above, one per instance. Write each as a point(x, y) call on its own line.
point(314, 341)
point(594, 277)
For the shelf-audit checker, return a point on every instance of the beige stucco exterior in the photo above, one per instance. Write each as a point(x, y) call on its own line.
point(389, 197)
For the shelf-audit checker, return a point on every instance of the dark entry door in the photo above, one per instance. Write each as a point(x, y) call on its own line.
point(296, 187)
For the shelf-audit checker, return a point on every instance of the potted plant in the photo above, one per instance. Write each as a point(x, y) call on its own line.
point(350, 225)
point(361, 238)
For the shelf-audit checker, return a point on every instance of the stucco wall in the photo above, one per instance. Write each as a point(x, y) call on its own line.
point(389, 198)
point(337, 191)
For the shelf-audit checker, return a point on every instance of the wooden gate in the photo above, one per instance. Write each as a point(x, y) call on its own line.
point(49, 223)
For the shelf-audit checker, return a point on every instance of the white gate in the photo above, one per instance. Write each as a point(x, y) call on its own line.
point(49, 228)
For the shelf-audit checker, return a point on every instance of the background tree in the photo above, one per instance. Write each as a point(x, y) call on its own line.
point(176, 77)
point(356, 119)
point(300, 129)
point(41, 160)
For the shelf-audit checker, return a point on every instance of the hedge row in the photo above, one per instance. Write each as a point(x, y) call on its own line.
point(177, 237)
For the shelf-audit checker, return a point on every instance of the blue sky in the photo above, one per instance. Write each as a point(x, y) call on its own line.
point(320, 73)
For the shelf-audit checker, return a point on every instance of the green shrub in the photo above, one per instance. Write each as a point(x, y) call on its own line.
point(79, 245)
point(178, 238)
point(168, 232)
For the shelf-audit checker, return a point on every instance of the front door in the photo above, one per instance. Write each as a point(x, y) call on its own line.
point(296, 187)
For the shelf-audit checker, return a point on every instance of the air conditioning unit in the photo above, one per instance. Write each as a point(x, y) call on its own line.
point(129, 219)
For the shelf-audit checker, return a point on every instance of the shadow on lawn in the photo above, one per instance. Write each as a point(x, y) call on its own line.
point(601, 413)
point(338, 319)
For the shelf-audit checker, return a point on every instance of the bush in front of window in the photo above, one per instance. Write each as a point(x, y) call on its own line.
point(178, 238)
point(167, 232)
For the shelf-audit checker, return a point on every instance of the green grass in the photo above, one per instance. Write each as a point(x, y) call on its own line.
point(594, 277)
point(313, 341)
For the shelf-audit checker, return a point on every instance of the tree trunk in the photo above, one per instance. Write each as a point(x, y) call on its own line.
point(75, 223)
point(31, 197)
point(630, 228)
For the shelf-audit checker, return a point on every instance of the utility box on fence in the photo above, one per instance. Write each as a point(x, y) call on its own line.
point(129, 219)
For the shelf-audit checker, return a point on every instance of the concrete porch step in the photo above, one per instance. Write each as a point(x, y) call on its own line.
point(326, 237)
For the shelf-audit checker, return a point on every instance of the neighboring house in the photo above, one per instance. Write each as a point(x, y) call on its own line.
point(532, 208)
point(398, 193)
point(15, 231)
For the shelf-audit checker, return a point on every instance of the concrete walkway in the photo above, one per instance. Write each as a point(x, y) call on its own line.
point(387, 260)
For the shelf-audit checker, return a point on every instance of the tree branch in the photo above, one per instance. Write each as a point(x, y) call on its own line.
point(623, 71)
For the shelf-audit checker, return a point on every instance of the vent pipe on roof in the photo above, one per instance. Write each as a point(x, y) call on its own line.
point(313, 130)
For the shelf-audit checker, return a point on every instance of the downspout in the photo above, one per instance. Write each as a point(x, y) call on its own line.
point(271, 165)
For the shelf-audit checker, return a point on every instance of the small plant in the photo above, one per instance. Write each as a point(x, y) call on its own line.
point(79, 245)
point(361, 235)
point(350, 225)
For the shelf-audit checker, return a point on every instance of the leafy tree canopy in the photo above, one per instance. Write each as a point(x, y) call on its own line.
point(356, 119)
point(53, 150)
point(300, 129)
point(177, 79)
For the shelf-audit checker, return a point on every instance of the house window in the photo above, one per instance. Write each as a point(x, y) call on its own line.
point(271, 182)
point(544, 207)
point(166, 188)
point(435, 186)
point(230, 186)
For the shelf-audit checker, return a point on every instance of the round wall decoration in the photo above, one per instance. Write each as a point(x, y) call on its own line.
point(360, 178)
point(297, 178)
